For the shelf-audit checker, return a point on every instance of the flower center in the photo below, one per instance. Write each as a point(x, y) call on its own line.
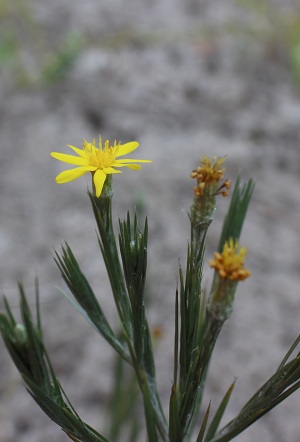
point(101, 157)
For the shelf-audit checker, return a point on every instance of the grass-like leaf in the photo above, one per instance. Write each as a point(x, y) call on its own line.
point(26, 347)
point(219, 414)
point(175, 431)
point(203, 425)
point(237, 211)
point(284, 382)
point(84, 295)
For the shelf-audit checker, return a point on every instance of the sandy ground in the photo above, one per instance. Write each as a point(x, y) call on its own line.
point(184, 78)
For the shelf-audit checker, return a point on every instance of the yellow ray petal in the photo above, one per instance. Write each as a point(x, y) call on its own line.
point(70, 159)
point(99, 179)
point(130, 166)
point(130, 160)
point(110, 170)
point(80, 152)
point(73, 174)
point(124, 149)
point(133, 166)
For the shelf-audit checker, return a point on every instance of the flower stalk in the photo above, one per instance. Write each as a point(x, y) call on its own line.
point(128, 291)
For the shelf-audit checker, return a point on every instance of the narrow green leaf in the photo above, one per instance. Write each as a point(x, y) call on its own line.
point(219, 414)
point(200, 338)
point(63, 416)
point(175, 433)
point(99, 326)
point(9, 313)
point(124, 400)
point(33, 362)
point(35, 350)
point(37, 303)
point(282, 384)
point(293, 347)
point(89, 306)
point(176, 339)
point(203, 425)
point(7, 326)
point(148, 357)
point(149, 413)
point(236, 214)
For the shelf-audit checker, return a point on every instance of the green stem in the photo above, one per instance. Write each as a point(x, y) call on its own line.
point(198, 372)
point(152, 406)
point(102, 212)
point(153, 410)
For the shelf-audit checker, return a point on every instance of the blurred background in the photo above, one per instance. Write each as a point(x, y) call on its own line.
point(185, 78)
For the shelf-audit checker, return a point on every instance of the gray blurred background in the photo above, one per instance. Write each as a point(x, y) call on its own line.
point(185, 78)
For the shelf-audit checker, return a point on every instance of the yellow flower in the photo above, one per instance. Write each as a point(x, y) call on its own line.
point(97, 160)
point(230, 263)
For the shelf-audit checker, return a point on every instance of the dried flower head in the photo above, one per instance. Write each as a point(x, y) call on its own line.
point(210, 173)
point(230, 263)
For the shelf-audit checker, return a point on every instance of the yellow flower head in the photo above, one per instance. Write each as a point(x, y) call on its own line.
point(100, 161)
point(230, 263)
point(210, 173)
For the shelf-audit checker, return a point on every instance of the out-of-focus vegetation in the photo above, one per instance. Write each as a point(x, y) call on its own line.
point(294, 47)
point(278, 28)
point(32, 57)
point(27, 52)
